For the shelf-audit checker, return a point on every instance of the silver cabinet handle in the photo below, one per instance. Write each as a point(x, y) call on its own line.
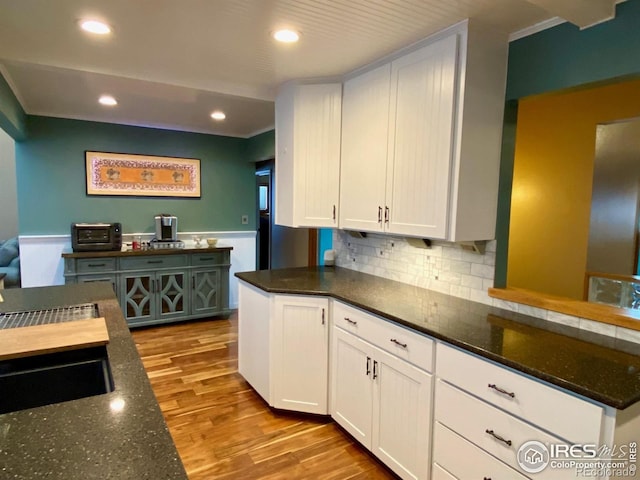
point(379, 214)
point(397, 342)
point(375, 369)
point(386, 214)
point(368, 366)
point(500, 390)
point(323, 316)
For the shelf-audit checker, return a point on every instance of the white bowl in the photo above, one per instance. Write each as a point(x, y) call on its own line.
point(212, 242)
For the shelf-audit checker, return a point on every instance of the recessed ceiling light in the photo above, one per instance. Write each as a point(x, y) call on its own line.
point(286, 36)
point(108, 100)
point(95, 26)
point(218, 115)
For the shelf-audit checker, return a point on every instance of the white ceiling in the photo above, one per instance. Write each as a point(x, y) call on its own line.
point(170, 63)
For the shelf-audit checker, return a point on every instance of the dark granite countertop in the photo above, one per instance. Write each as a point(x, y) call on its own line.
point(146, 252)
point(602, 368)
point(87, 438)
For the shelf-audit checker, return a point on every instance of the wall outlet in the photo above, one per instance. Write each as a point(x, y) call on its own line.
point(245, 219)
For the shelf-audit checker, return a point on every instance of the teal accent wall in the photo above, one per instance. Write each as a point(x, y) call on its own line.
point(325, 242)
point(262, 147)
point(560, 58)
point(565, 56)
point(12, 116)
point(50, 170)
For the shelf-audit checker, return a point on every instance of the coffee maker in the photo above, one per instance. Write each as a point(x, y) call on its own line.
point(166, 227)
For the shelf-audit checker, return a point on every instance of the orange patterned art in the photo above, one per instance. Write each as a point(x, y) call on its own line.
point(141, 175)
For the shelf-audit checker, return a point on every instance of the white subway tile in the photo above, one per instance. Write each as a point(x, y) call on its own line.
point(598, 327)
point(533, 311)
point(484, 271)
point(628, 334)
point(451, 278)
point(505, 305)
point(460, 267)
point(569, 320)
point(472, 282)
point(480, 296)
point(460, 292)
point(452, 253)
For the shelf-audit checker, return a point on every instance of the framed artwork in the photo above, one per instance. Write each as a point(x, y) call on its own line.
point(141, 175)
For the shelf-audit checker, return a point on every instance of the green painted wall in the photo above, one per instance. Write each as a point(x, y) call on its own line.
point(261, 147)
point(565, 56)
point(50, 170)
point(555, 59)
point(12, 116)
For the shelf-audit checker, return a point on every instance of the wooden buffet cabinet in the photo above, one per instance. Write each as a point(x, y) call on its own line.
point(159, 286)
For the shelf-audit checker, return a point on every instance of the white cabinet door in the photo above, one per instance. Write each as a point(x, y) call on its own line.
point(401, 416)
point(365, 124)
point(351, 385)
point(254, 314)
point(300, 354)
point(423, 91)
point(308, 127)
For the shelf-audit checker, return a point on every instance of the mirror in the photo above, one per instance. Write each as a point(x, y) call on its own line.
point(551, 244)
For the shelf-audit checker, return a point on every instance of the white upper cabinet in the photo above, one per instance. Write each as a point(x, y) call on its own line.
point(365, 126)
point(431, 120)
point(307, 169)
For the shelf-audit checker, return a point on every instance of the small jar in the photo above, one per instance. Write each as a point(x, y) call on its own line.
point(137, 243)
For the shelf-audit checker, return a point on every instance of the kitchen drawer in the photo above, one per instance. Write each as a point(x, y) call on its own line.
point(399, 341)
point(491, 429)
point(438, 473)
point(462, 460)
point(549, 408)
point(209, 259)
point(153, 262)
point(95, 265)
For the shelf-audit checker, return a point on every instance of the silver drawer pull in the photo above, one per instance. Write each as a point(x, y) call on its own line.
point(97, 264)
point(400, 344)
point(504, 392)
point(498, 437)
point(155, 261)
point(352, 322)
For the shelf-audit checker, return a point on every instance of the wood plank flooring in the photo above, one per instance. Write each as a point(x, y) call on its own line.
point(223, 429)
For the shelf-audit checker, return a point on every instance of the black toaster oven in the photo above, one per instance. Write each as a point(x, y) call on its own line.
point(96, 237)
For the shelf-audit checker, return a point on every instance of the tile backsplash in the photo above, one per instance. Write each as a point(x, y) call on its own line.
point(447, 268)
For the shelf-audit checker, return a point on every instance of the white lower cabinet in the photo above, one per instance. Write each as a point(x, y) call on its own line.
point(300, 340)
point(283, 348)
point(456, 458)
point(399, 392)
point(380, 399)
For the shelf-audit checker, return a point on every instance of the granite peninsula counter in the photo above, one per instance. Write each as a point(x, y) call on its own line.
point(601, 368)
point(118, 435)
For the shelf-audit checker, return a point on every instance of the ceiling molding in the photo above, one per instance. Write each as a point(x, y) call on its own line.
point(538, 27)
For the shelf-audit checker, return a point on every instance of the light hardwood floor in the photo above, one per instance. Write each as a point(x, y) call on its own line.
point(223, 429)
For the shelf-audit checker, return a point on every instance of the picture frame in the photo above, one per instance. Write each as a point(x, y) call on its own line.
point(141, 175)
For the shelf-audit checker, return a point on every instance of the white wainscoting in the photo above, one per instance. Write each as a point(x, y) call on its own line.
point(41, 261)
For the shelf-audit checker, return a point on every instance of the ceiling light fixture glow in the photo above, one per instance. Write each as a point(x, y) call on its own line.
point(95, 26)
point(108, 100)
point(286, 36)
point(218, 115)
